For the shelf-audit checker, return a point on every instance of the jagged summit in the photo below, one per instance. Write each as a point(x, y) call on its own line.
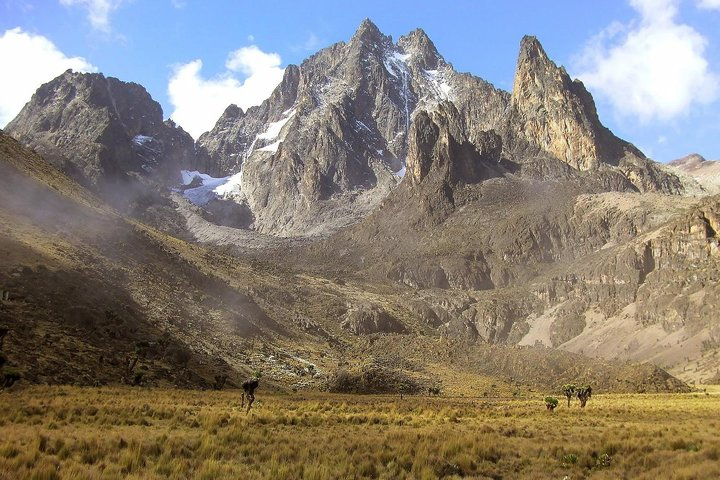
point(333, 139)
point(367, 31)
point(530, 48)
point(334, 135)
point(423, 50)
point(233, 111)
point(557, 114)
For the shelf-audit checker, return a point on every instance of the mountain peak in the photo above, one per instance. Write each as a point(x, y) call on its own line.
point(419, 44)
point(692, 160)
point(531, 49)
point(555, 113)
point(116, 129)
point(367, 31)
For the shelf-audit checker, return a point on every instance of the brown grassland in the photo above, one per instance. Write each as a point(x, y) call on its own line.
point(123, 432)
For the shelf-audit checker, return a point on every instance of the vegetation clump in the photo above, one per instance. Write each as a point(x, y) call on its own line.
point(374, 378)
point(584, 393)
point(569, 391)
point(551, 403)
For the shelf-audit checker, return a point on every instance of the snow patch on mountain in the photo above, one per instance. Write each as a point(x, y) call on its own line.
point(141, 140)
point(203, 193)
point(396, 65)
point(231, 187)
point(274, 128)
point(437, 81)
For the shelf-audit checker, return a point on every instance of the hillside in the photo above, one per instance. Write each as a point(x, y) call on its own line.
point(90, 289)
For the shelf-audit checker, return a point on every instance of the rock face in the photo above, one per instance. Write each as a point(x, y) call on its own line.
point(339, 133)
point(335, 137)
point(103, 132)
point(558, 114)
point(367, 319)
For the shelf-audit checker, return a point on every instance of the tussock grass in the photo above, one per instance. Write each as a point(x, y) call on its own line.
point(88, 433)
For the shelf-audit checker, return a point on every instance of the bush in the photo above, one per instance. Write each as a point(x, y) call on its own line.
point(372, 379)
point(551, 403)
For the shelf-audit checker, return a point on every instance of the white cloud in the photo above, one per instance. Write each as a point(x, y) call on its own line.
point(98, 11)
point(29, 61)
point(199, 102)
point(652, 69)
point(709, 4)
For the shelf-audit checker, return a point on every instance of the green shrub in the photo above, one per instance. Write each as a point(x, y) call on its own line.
point(551, 403)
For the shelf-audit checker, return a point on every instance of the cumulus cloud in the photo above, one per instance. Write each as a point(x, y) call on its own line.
point(709, 4)
point(653, 68)
point(28, 62)
point(98, 11)
point(250, 77)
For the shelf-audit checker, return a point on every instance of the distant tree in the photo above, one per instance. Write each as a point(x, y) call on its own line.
point(584, 392)
point(551, 403)
point(569, 391)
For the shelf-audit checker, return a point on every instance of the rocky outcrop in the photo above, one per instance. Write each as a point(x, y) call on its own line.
point(103, 132)
point(368, 319)
point(557, 114)
point(439, 145)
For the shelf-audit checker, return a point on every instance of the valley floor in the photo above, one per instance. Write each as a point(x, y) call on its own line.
point(69, 432)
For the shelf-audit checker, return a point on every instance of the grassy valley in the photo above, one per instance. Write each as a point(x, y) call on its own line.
point(120, 432)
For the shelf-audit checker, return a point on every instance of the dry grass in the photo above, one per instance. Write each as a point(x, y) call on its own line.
point(68, 432)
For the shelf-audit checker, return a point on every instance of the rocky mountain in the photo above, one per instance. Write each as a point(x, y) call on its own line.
point(379, 207)
point(612, 274)
point(107, 134)
point(332, 141)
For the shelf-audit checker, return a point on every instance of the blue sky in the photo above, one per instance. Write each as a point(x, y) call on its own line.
point(653, 66)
